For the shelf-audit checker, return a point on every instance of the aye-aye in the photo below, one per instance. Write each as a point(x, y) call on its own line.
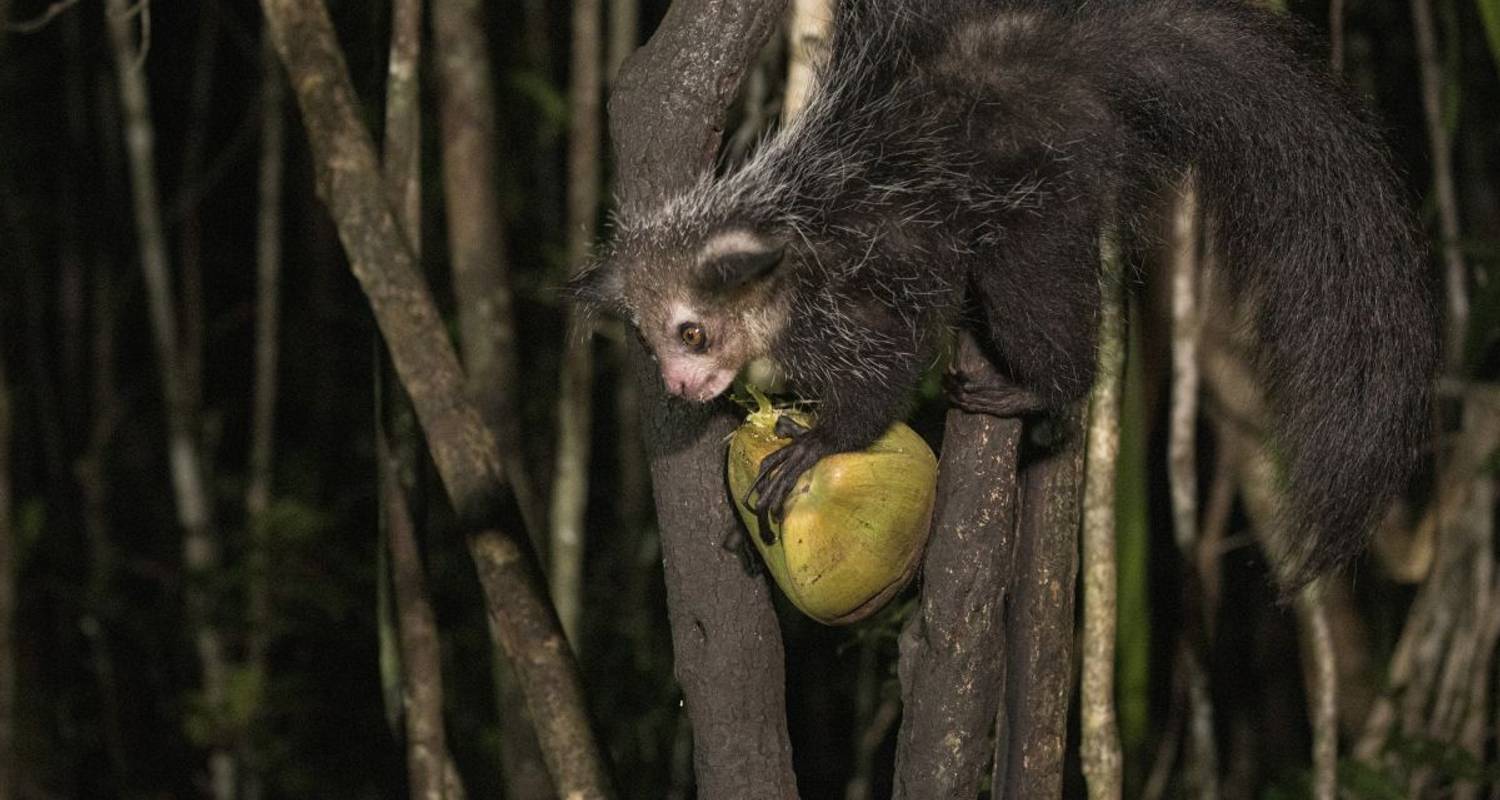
point(964, 151)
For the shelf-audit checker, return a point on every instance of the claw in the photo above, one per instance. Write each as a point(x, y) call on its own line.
point(788, 428)
point(778, 477)
point(994, 396)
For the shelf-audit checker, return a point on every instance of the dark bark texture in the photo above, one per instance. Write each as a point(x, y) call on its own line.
point(952, 664)
point(667, 117)
point(1039, 652)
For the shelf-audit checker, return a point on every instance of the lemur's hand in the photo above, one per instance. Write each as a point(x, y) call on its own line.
point(779, 473)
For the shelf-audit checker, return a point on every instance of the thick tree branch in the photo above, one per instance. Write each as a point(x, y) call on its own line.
point(462, 447)
point(953, 649)
point(667, 117)
point(1040, 624)
point(429, 766)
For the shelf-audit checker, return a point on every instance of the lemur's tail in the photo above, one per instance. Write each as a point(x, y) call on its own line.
point(1312, 231)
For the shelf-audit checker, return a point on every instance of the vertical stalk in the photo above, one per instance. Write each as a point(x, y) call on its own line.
point(1182, 466)
point(1440, 148)
point(807, 36)
point(267, 335)
point(8, 575)
point(1100, 746)
point(200, 548)
point(570, 481)
point(476, 237)
point(429, 765)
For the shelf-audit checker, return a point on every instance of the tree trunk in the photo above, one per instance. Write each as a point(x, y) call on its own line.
point(667, 117)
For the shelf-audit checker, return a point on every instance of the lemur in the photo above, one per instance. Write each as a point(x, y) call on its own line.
point(961, 151)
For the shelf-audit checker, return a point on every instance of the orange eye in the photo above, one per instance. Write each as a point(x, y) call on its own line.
point(693, 336)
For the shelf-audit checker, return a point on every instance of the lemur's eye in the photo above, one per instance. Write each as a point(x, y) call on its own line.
point(693, 336)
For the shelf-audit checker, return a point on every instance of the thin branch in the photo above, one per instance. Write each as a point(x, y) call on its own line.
point(267, 337)
point(807, 37)
point(570, 481)
point(9, 574)
point(469, 138)
point(1100, 745)
point(41, 20)
point(1440, 148)
point(401, 154)
point(476, 238)
point(429, 765)
point(1322, 691)
point(200, 546)
point(1182, 464)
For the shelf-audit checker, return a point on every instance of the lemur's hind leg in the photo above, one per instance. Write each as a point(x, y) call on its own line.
point(1040, 297)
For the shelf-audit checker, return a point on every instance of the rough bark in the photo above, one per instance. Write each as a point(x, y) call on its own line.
point(462, 447)
point(200, 548)
point(527, 625)
point(952, 664)
point(1040, 625)
point(429, 766)
point(401, 152)
point(428, 763)
point(667, 118)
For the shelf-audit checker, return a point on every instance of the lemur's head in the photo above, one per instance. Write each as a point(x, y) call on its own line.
point(703, 305)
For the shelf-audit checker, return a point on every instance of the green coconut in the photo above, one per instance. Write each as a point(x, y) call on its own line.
point(855, 524)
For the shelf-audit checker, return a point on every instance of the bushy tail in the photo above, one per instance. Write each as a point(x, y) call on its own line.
point(1312, 231)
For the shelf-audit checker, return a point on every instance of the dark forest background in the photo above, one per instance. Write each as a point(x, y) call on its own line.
point(145, 648)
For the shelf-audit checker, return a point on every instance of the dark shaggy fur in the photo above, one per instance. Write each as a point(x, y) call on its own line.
point(964, 147)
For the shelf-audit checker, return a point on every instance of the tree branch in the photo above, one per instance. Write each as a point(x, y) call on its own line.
point(1100, 745)
point(667, 115)
point(462, 447)
point(952, 665)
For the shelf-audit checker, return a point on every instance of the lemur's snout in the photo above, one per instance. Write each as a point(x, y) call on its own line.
point(692, 383)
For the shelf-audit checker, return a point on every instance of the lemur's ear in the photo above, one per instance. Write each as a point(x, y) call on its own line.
point(734, 259)
point(599, 288)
